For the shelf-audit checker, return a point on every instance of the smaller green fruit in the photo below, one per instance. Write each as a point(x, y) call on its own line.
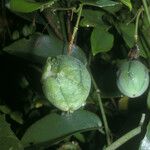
point(132, 78)
point(66, 82)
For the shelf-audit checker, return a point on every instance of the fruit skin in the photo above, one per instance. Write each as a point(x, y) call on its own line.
point(132, 78)
point(66, 82)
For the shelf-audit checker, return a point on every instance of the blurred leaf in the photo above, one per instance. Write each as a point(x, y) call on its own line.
point(16, 116)
point(101, 40)
point(127, 3)
point(26, 6)
point(76, 52)
point(8, 140)
point(79, 137)
point(38, 47)
point(99, 3)
point(145, 143)
point(91, 18)
point(5, 109)
point(113, 9)
point(54, 127)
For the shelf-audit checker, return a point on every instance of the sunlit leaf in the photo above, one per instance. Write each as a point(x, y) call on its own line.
point(127, 3)
point(99, 3)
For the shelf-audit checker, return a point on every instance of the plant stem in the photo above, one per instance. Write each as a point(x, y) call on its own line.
point(127, 136)
point(107, 130)
point(75, 29)
point(136, 25)
point(146, 10)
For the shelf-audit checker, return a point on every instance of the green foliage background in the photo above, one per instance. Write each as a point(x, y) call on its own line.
point(33, 30)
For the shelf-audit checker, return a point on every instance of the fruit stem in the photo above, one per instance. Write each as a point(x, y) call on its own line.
point(136, 24)
point(75, 28)
point(127, 136)
point(146, 10)
point(107, 130)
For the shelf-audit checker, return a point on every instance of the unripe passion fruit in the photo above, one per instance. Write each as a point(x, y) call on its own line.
point(66, 82)
point(132, 78)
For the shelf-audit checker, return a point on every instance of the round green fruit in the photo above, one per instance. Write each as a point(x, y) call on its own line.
point(66, 82)
point(132, 78)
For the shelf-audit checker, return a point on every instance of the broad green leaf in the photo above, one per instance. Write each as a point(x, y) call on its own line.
point(145, 143)
point(26, 6)
point(38, 47)
point(113, 9)
point(8, 140)
point(99, 3)
point(54, 127)
point(127, 3)
point(101, 40)
point(92, 18)
point(127, 32)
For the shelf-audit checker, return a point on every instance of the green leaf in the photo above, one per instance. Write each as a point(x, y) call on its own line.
point(8, 140)
point(99, 3)
point(54, 127)
point(105, 3)
point(101, 40)
point(5, 109)
point(145, 143)
point(113, 9)
point(127, 32)
point(16, 116)
point(127, 3)
point(38, 47)
point(91, 18)
point(25, 6)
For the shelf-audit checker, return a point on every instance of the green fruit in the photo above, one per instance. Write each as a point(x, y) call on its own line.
point(132, 78)
point(66, 82)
